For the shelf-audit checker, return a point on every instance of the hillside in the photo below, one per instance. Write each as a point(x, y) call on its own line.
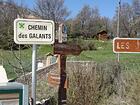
point(104, 81)
point(102, 51)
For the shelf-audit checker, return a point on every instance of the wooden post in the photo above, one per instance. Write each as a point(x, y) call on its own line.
point(64, 49)
point(62, 92)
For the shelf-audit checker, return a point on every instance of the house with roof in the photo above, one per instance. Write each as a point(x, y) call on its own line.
point(102, 35)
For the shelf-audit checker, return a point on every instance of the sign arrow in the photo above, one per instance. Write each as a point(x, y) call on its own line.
point(67, 49)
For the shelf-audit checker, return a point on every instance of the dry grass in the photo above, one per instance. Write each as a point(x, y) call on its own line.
point(92, 83)
point(46, 92)
point(102, 84)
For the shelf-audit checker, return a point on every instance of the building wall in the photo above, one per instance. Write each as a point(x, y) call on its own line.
point(103, 37)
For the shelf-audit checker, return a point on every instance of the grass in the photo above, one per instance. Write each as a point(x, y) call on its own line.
point(103, 53)
point(105, 83)
point(44, 49)
point(9, 60)
point(102, 83)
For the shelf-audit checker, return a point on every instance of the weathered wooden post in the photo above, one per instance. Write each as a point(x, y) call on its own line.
point(64, 49)
point(62, 38)
point(63, 76)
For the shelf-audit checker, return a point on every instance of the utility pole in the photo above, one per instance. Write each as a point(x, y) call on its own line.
point(118, 25)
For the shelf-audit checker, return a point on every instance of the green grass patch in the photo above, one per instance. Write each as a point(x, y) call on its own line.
point(9, 60)
point(105, 52)
point(102, 53)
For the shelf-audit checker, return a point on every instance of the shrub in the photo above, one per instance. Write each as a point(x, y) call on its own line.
point(85, 45)
point(91, 83)
point(91, 46)
point(88, 46)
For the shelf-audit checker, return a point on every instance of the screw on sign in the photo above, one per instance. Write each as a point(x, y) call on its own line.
point(126, 45)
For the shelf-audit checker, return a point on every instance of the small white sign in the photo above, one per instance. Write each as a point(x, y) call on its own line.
point(62, 33)
point(32, 31)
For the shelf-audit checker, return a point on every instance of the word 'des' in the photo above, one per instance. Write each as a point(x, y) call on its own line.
point(126, 45)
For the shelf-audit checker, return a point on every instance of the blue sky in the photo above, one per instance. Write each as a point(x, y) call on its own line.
point(106, 7)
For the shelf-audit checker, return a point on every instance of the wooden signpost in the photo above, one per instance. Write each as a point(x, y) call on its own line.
point(63, 50)
point(67, 49)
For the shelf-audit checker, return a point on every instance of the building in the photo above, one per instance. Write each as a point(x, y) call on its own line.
point(102, 35)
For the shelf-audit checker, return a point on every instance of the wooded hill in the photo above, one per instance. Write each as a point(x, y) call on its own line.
point(86, 24)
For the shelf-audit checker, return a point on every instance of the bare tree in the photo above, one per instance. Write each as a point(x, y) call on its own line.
point(106, 23)
point(84, 18)
point(51, 9)
point(136, 10)
point(90, 22)
point(17, 62)
point(9, 11)
point(136, 7)
point(129, 19)
point(96, 23)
